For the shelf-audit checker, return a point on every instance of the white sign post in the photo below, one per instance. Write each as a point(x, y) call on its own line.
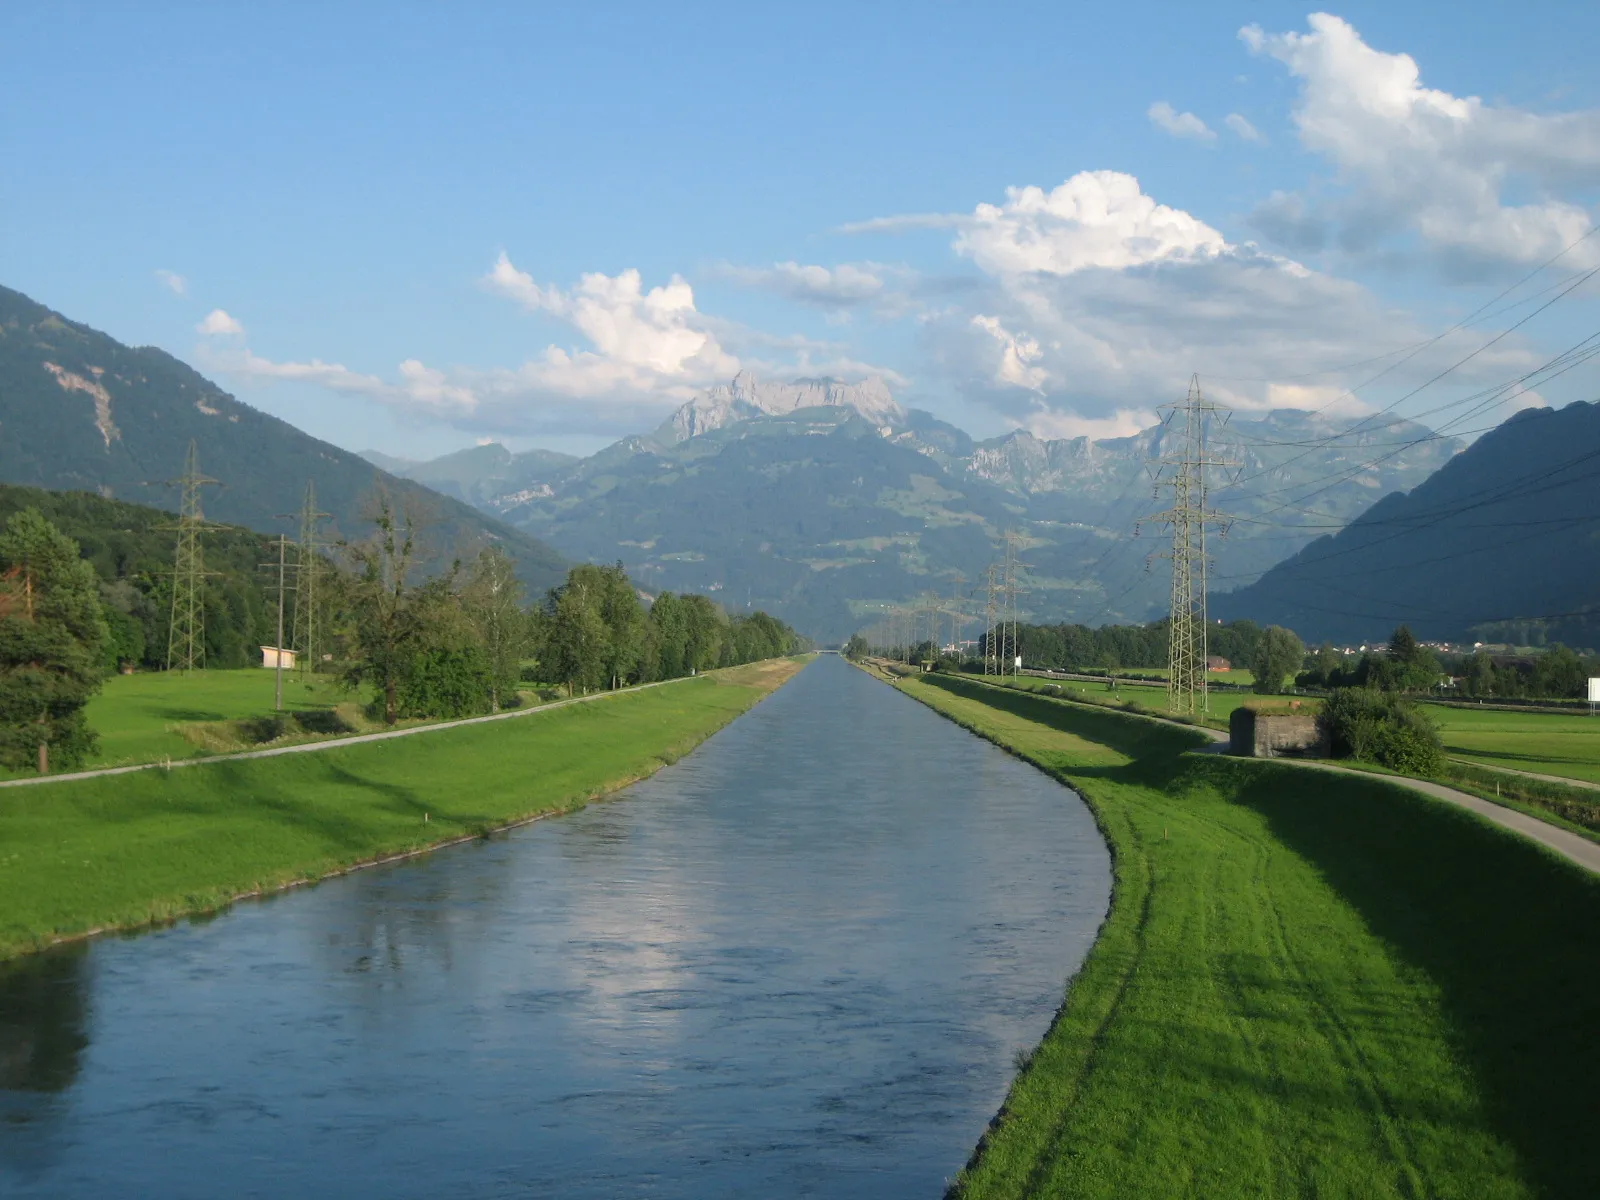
point(1594, 694)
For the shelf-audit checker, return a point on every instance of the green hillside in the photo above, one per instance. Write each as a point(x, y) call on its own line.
point(79, 410)
point(1500, 545)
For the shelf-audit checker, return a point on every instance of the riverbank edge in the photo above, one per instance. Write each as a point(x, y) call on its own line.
point(1095, 994)
point(608, 789)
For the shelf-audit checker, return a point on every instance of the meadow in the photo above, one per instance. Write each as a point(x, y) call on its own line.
point(127, 850)
point(142, 717)
point(1139, 697)
point(1308, 984)
point(1544, 743)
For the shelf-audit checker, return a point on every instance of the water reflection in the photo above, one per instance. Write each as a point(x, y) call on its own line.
point(43, 1018)
point(798, 962)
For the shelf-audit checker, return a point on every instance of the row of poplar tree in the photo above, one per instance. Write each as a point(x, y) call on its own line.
point(451, 645)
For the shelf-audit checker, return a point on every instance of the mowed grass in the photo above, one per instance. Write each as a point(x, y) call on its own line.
point(138, 716)
point(1308, 984)
point(1219, 705)
point(126, 850)
point(1544, 743)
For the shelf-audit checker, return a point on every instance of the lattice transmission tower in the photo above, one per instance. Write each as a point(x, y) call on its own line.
point(307, 568)
point(991, 652)
point(1183, 472)
point(186, 628)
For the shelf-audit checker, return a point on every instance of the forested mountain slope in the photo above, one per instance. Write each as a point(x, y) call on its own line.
point(80, 410)
point(827, 502)
point(1502, 543)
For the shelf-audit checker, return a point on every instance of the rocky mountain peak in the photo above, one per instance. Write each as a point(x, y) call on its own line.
point(747, 396)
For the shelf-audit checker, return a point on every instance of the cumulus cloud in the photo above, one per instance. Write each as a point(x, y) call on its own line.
point(1179, 124)
point(1098, 303)
point(1017, 355)
point(1095, 219)
point(843, 286)
point(219, 324)
point(172, 281)
point(1125, 422)
point(1423, 165)
point(1242, 128)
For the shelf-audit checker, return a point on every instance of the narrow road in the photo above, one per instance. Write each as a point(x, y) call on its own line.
point(1562, 779)
point(1571, 846)
point(333, 743)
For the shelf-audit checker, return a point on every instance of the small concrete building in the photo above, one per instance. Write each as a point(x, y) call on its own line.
point(1253, 734)
point(276, 656)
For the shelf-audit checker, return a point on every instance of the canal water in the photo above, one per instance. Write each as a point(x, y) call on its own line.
point(799, 962)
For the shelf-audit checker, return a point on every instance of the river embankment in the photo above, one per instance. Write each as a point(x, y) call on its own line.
point(1307, 982)
point(120, 850)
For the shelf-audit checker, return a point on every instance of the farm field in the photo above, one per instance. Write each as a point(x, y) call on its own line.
point(1544, 743)
point(126, 850)
point(1308, 984)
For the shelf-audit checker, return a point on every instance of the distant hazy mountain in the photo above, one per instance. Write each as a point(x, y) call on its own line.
point(489, 476)
point(79, 410)
point(826, 502)
point(1500, 545)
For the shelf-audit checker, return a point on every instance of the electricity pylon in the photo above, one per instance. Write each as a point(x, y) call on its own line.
point(1184, 473)
point(989, 649)
point(1011, 593)
point(186, 628)
point(954, 612)
point(307, 567)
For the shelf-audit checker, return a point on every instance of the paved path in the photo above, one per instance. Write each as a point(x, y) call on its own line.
point(1564, 842)
point(1582, 783)
point(333, 743)
point(1569, 845)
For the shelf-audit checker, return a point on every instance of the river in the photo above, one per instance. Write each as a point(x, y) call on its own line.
point(799, 962)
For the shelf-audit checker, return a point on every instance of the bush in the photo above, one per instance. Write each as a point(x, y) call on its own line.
point(1381, 727)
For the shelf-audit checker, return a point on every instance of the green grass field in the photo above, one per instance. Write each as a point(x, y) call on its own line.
point(1545, 743)
point(1308, 985)
point(1150, 699)
point(126, 850)
point(138, 716)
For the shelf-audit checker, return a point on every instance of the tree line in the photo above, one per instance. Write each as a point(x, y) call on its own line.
point(453, 644)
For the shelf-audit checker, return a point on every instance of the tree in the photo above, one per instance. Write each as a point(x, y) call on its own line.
point(1480, 675)
point(1408, 666)
point(856, 647)
point(388, 622)
point(52, 645)
point(1559, 672)
point(1278, 653)
point(625, 623)
point(492, 598)
point(669, 635)
point(1325, 667)
point(575, 649)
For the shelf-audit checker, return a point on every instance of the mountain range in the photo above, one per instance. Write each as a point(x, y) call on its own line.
point(80, 410)
point(1500, 545)
point(828, 503)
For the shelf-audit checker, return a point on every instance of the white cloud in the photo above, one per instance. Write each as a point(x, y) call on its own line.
point(1242, 128)
point(1095, 219)
point(1125, 422)
point(1179, 124)
point(1423, 164)
point(843, 286)
point(173, 281)
point(1016, 355)
point(1099, 302)
point(642, 340)
point(219, 324)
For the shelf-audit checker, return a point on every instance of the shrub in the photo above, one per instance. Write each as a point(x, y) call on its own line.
point(1381, 727)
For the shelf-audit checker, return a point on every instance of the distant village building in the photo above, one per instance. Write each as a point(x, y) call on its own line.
point(274, 656)
point(1215, 662)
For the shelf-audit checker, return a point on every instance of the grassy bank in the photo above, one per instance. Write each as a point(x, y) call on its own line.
point(130, 849)
point(1308, 984)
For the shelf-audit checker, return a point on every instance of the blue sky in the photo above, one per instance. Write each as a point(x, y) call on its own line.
point(413, 227)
